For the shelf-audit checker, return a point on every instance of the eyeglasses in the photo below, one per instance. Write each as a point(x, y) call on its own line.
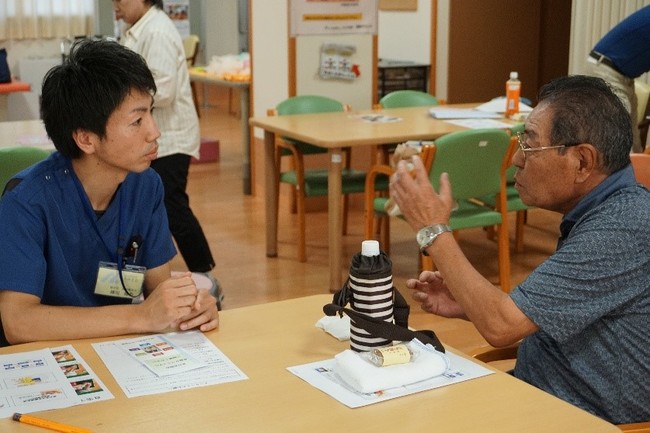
point(522, 138)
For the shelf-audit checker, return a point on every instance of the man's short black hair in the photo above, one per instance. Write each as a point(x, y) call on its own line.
point(586, 110)
point(88, 87)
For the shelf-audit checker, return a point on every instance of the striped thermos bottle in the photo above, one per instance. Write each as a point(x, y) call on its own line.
point(371, 284)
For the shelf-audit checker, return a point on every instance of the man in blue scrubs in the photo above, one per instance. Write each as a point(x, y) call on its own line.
point(85, 233)
point(582, 315)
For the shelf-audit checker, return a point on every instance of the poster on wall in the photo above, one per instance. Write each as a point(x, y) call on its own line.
point(337, 62)
point(333, 17)
point(179, 12)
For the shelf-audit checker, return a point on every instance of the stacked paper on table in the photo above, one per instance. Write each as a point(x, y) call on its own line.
point(498, 105)
point(461, 113)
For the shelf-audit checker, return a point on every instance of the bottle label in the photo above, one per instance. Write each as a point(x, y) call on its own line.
point(391, 355)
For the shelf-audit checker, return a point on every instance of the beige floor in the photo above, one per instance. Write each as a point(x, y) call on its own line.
point(234, 226)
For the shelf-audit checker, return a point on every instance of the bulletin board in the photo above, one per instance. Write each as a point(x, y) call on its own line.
point(309, 77)
point(327, 57)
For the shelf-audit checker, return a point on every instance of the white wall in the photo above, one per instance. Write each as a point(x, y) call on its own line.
point(270, 66)
point(220, 24)
point(404, 35)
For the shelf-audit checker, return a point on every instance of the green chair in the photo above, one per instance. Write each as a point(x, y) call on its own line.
point(513, 200)
point(16, 158)
point(313, 182)
point(473, 160)
point(407, 98)
point(399, 99)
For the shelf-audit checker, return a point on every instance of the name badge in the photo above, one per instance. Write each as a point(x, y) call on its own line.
point(109, 284)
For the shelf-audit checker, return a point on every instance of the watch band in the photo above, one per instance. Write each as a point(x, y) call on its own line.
point(427, 235)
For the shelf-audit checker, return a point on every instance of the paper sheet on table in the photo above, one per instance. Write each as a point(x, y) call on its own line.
point(159, 355)
point(321, 375)
point(480, 123)
point(498, 105)
point(461, 113)
point(135, 379)
point(50, 378)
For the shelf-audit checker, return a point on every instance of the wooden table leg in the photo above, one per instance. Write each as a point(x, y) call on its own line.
point(335, 216)
point(271, 203)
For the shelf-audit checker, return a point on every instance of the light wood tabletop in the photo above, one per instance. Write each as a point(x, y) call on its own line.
point(24, 133)
point(264, 340)
point(334, 131)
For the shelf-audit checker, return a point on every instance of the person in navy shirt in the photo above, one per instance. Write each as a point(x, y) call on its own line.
point(85, 246)
point(622, 55)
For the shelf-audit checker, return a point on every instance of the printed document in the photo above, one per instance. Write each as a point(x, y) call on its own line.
point(193, 361)
point(47, 379)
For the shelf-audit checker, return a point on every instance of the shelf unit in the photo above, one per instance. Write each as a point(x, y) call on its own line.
point(401, 75)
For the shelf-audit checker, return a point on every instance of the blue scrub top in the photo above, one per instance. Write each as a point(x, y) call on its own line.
point(49, 247)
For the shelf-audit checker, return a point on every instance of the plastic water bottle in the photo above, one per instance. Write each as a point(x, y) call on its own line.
point(513, 90)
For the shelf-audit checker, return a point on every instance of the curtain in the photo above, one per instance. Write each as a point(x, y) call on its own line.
point(46, 19)
point(590, 20)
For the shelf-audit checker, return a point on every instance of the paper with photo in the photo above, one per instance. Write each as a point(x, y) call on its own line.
point(37, 380)
point(159, 355)
point(87, 385)
point(136, 380)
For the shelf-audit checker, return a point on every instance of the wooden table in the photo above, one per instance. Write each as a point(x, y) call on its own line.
point(198, 74)
point(334, 131)
point(24, 133)
point(7, 88)
point(263, 341)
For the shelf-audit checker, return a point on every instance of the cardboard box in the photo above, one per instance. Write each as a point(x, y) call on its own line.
point(208, 152)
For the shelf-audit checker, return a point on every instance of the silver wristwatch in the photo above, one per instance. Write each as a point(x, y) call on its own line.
point(427, 235)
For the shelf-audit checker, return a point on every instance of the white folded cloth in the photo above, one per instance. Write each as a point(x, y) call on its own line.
point(367, 378)
point(339, 327)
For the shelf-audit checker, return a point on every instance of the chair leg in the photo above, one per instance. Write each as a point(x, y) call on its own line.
point(519, 231)
point(302, 249)
point(504, 258)
point(383, 226)
point(195, 98)
point(346, 203)
point(426, 263)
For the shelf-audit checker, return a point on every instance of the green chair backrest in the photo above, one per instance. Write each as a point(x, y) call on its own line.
point(473, 160)
point(305, 104)
point(407, 98)
point(17, 158)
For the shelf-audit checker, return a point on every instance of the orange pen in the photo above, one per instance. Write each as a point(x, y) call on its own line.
point(51, 425)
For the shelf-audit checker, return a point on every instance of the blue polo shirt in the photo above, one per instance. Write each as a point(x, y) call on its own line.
point(49, 246)
point(591, 302)
point(628, 44)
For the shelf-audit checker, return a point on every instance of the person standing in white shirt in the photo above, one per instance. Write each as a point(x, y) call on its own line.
point(152, 34)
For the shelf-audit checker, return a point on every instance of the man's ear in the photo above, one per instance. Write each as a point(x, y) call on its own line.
point(85, 140)
point(587, 161)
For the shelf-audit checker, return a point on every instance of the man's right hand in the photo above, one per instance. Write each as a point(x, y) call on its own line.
point(433, 295)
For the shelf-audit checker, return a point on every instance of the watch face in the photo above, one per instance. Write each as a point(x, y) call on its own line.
point(424, 235)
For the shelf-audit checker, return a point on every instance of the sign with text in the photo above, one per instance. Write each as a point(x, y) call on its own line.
point(332, 17)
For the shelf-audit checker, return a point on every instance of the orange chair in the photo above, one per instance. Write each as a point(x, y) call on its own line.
point(641, 166)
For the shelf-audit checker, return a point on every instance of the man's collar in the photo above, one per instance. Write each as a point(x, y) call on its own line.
point(614, 182)
point(136, 29)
